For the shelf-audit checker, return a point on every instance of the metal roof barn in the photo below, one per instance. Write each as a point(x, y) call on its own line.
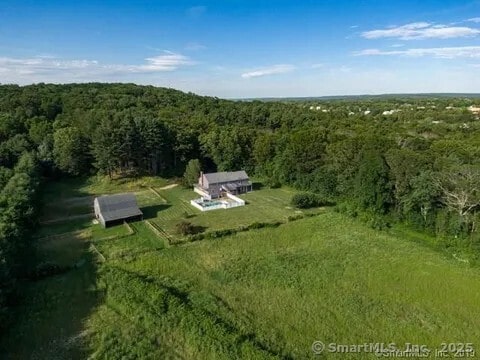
point(114, 209)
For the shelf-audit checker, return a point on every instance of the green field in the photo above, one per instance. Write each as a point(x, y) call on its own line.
point(262, 206)
point(260, 294)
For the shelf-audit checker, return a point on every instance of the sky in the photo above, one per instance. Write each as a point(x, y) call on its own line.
point(246, 49)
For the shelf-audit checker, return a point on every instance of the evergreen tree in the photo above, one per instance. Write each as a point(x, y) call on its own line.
point(70, 151)
point(192, 173)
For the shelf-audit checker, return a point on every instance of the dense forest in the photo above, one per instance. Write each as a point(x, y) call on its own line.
point(414, 161)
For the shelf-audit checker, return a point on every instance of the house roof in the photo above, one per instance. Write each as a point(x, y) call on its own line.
point(119, 206)
point(226, 176)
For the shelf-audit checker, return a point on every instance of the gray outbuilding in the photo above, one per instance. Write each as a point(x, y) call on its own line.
point(115, 209)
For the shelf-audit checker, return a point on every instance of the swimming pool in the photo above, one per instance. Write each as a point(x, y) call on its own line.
point(210, 203)
point(224, 203)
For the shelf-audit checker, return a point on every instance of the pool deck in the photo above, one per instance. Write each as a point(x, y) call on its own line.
point(228, 202)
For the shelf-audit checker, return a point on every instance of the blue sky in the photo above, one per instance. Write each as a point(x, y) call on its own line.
point(235, 48)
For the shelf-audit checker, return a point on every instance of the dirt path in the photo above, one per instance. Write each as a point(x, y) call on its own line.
point(168, 187)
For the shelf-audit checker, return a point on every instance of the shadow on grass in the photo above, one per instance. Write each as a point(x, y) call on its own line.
point(64, 188)
point(257, 185)
point(51, 318)
point(64, 227)
point(151, 212)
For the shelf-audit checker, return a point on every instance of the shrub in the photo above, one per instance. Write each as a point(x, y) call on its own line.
point(308, 200)
point(374, 220)
point(216, 234)
point(260, 225)
point(256, 225)
point(347, 208)
point(196, 237)
point(295, 217)
point(221, 233)
point(187, 228)
point(273, 183)
point(187, 215)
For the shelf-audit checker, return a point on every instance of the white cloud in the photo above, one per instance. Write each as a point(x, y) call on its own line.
point(272, 70)
point(397, 45)
point(422, 30)
point(475, 20)
point(169, 61)
point(54, 69)
point(42, 65)
point(317, 66)
point(444, 53)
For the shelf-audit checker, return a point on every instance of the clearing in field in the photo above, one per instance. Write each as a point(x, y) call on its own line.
point(259, 294)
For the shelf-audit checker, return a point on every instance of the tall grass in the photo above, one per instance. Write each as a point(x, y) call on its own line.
point(270, 293)
point(259, 294)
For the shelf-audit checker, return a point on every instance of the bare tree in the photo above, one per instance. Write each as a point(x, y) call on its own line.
point(461, 193)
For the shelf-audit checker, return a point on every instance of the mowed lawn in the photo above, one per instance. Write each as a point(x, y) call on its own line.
point(261, 294)
point(68, 204)
point(264, 205)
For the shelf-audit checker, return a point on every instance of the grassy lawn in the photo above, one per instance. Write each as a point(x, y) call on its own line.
point(261, 294)
point(127, 247)
point(73, 197)
point(66, 190)
point(263, 205)
point(69, 205)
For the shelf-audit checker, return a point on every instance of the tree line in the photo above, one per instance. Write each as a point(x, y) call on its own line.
point(18, 216)
point(398, 159)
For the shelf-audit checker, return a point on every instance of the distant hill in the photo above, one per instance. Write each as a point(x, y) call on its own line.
point(367, 97)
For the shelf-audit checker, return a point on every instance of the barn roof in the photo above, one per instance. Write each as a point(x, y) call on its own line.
point(118, 206)
point(226, 176)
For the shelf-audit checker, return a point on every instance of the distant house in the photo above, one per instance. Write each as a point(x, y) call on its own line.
point(215, 185)
point(474, 109)
point(114, 209)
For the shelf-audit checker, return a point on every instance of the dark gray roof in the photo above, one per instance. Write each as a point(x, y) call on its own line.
point(230, 186)
point(119, 206)
point(226, 176)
